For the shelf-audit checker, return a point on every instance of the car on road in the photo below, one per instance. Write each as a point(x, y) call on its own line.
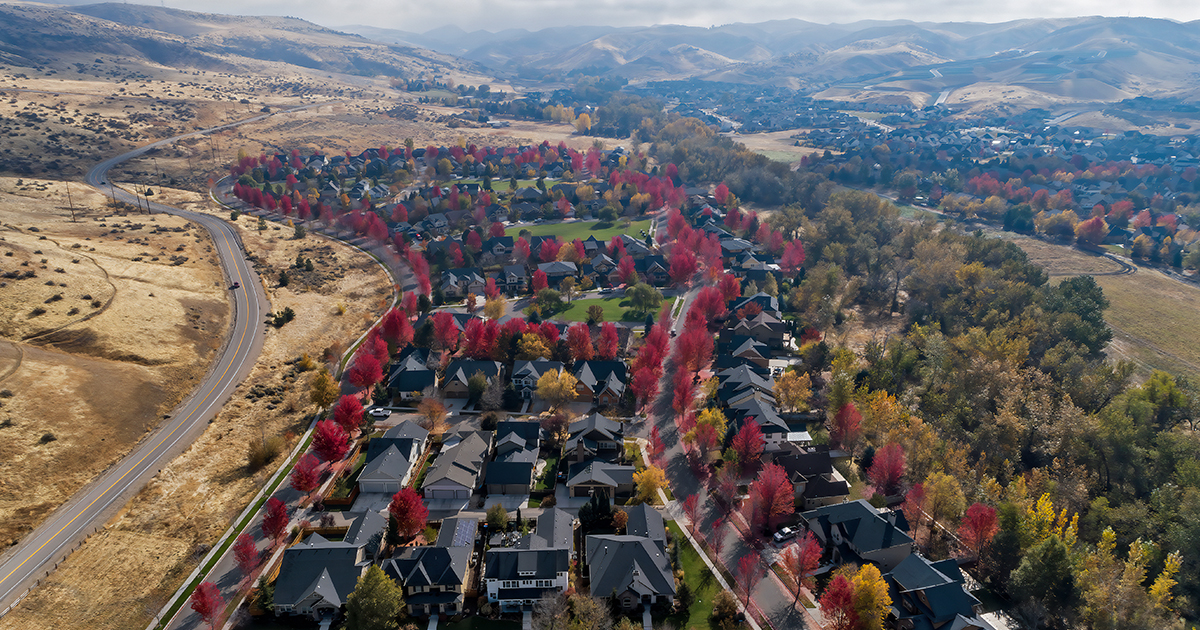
point(236, 285)
point(380, 413)
point(606, 291)
point(785, 534)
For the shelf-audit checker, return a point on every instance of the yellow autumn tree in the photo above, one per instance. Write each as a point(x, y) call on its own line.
point(533, 346)
point(648, 482)
point(556, 388)
point(793, 389)
point(495, 308)
point(583, 124)
point(871, 599)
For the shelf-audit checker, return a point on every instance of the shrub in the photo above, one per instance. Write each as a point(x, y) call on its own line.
point(724, 606)
point(48, 437)
point(262, 451)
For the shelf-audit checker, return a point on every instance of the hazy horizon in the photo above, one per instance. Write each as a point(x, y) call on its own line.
point(499, 15)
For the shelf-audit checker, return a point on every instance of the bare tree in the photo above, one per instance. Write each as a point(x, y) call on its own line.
point(551, 613)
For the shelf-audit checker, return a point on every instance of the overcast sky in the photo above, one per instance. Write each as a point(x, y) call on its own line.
point(494, 15)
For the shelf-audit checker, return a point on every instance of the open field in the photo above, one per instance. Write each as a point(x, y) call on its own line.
point(194, 499)
point(777, 145)
point(104, 338)
point(614, 309)
point(571, 230)
point(1153, 316)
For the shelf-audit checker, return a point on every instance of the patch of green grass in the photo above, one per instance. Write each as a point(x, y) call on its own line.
point(615, 310)
point(549, 473)
point(913, 212)
point(533, 503)
point(502, 185)
point(421, 475)
point(345, 485)
point(704, 586)
point(781, 156)
point(582, 230)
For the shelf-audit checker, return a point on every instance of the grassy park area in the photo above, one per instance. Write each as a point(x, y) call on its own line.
point(572, 230)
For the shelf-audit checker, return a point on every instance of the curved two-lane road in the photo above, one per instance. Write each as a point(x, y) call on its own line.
point(23, 566)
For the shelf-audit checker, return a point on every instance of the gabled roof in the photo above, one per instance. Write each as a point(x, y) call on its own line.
point(509, 563)
point(591, 373)
point(363, 527)
point(558, 267)
point(595, 427)
point(629, 563)
point(430, 566)
point(317, 565)
point(389, 465)
point(457, 532)
point(555, 530)
point(535, 369)
point(763, 411)
point(645, 521)
point(403, 436)
point(460, 462)
point(463, 369)
point(598, 472)
point(860, 523)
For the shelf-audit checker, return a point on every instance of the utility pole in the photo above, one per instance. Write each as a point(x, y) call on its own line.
point(70, 202)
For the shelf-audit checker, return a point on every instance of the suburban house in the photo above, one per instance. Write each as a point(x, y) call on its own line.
point(457, 283)
point(634, 566)
point(653, 269)
point(740, 383)
point(433, 578)
point(460, 371)
point(931, 595)
point(409, 376)
point(594, 437)
point(587, 478)
point(391, 458)
point(525, 375)
point(458, 469)
point(517, 447)
point(747, 348)
point(763, 327)
point(815, 481)
point(761, 407)
point(496, 249)
point(538, 565)
point(600, 382)
point(316, 576)
point(857, 532)
point(512, 279)
point(557, 270)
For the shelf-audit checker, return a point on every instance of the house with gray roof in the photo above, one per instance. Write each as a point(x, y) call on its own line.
point(457, 283)
point(636, 568)
point(557, 270)
point(316, 576)
point(857, 532)
point(409, 376)
point(592, 437)
point(586, 478)
point(931, 595)
point(645, 521)
point(525, 375)
point(458, 469)
point(433, 578)
point(517, 577)
point(460, 371)
point(517, 447)
point(601, 383)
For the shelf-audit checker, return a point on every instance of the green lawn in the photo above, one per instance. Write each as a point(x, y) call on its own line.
point(549, 472)
point(704, 586)
point(616, 309)
point(502, 185)
point(581, 230)
point(345, 485)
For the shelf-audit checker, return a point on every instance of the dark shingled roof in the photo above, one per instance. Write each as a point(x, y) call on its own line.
point(318, 565)
point(629, 563)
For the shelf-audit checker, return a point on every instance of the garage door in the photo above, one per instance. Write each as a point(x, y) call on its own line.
point(443, 494)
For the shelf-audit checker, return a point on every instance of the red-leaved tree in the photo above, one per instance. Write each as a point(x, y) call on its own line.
point(748, 443)
point(275, 521)
point(683, 266)
point(480, 337)
point(330, 441)
point(691, 508)
point(445, 331)
point(771, 496)
point(837, 604)
point(627, 271)
point(644, 386)
point(802, 559)
point(978, 527)
point(579, 340)
point(694, 349)
point(914, 505)
point(609, 342)
point(365, 371)
point(716, 539)
point(748, 574)
point(793, 257)
point(208, 603)
point(846, 427)
point(348, 413)
point(887, 469)
point(721, 193)
point(246, 554)
point(409, 512)
point(306, 475)
point(730, 286)
point(539, 281)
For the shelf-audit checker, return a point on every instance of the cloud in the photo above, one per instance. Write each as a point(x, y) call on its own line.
point(495, 15)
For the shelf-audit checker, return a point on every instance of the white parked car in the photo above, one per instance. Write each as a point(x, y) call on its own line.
point(785, 534)
point(379, 413)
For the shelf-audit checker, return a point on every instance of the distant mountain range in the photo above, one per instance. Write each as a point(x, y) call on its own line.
point(1069, 59)
point(38, 34)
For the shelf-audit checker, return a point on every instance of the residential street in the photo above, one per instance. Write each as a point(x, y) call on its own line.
point(769, 596)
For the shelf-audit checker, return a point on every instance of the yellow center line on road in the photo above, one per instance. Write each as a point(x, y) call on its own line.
point(161, 442)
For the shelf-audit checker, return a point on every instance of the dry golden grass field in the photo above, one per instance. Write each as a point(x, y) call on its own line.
point(1153, 316)
point(102, 331)
point(193, 500)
